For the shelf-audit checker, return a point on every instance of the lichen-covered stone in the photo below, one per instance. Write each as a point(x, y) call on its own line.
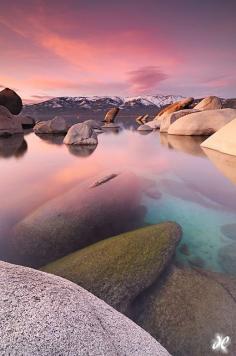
point(118, 269)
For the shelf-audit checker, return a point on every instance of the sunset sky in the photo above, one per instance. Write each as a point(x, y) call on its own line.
point(124, 47)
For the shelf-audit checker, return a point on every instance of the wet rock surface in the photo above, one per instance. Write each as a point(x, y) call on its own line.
point(118, 269)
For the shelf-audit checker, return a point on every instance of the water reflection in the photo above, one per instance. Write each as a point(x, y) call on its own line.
point(81, 151)
point(187, 144)
point(181, 185)
point(52, 139)
point(226, 164)
point(13, 146)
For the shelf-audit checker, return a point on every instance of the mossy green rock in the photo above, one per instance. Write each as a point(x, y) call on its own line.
point(119, 268)
point(186, 308)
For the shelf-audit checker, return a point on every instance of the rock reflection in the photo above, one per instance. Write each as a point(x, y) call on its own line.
point(81, 151)
point(186, 144)
point(13, 146)
point(226, 164)
point(52, 139)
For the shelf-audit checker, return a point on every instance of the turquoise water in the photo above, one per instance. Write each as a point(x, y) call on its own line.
point(186, 185)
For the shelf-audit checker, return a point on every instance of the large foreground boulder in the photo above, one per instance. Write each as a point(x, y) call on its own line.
point(82, 134)
point(187, 309)
point(11, 101)
point(209, 103)
point(118, 269)
point(45, 315)
point(179, 105)
point(223, 140)
point(78, 218)
point(202, 123)
point(9, 124)
point(169, 119)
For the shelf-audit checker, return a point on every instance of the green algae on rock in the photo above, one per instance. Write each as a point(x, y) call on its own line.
point(119, 268)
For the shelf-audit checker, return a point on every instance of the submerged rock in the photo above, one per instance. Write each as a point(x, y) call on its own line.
point(209, 103)
point(184, 249)
point(224, 140)
point(11, 101)
point(9, 124)
point(227, 258)
point(202, 123)
point(77, 219)
point(186, 309)
point(42, 314)
point(118, 269)
point(229, 230)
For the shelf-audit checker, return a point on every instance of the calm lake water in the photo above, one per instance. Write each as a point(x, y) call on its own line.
point(181, 183)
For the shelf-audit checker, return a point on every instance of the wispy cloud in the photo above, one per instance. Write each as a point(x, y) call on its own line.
point(146, 79)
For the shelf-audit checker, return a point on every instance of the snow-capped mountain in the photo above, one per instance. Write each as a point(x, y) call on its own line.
point(84, 105)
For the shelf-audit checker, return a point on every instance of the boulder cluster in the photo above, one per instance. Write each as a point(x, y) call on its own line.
point(77, 133)
point(206, 118)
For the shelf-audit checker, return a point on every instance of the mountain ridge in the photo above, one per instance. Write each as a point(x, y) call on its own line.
point(99, 104)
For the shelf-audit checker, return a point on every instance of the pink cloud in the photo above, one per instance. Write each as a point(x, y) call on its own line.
point(146, 79)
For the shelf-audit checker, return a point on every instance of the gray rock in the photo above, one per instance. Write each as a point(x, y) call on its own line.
point(45, 315)
point(204, 122)
point(169, 119)
point(81, 134)
point(186, 309)
point(227, 258)
point(120, 268)
point(209, 103)
point(224, 139)
point(9, 124)
point(57, 125)
point(78, 218)
point(144, 128)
